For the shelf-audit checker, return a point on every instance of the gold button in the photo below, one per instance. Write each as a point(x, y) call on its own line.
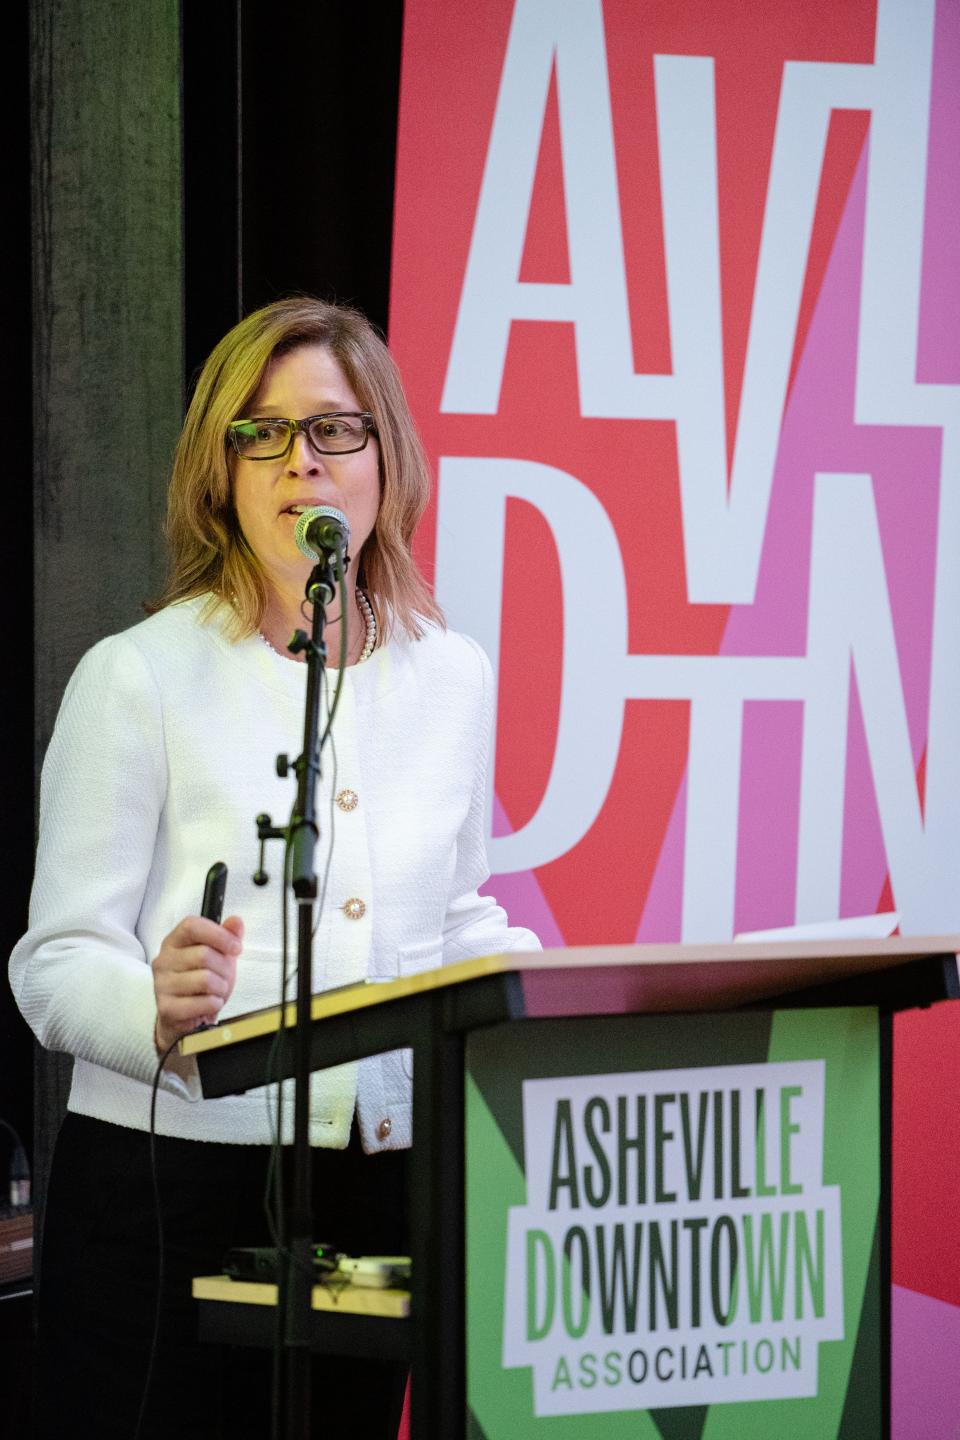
point(348, 800)
point(354, 908)
point(384, 1128)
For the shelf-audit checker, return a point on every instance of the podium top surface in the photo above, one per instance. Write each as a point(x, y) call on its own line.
point(616, 979)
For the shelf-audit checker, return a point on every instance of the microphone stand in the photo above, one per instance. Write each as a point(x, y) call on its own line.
point(296, 1272)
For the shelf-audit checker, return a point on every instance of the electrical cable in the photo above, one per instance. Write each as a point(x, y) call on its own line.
point(273, 1191)
point(344, 641)
point(161, 1247)
point(333, 821)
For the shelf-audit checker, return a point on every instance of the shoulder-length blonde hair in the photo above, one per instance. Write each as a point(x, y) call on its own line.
point(209, 554)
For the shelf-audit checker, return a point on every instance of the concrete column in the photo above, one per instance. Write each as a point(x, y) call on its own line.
point(108, 342)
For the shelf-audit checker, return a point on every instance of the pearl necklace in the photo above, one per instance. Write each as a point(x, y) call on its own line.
point(370, 622)
point(370, 626)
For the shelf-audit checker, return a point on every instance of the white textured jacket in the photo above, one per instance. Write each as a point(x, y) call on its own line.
point(162, 756)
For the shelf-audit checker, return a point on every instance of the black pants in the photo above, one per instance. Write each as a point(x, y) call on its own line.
point(98, 1287)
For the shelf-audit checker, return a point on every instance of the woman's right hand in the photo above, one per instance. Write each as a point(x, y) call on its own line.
point(194, 975)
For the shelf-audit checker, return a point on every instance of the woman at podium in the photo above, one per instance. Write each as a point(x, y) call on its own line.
point(163, 755)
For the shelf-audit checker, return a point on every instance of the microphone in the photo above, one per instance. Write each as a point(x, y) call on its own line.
point(322, 530)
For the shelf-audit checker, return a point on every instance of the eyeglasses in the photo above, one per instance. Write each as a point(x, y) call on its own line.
point(338, 433)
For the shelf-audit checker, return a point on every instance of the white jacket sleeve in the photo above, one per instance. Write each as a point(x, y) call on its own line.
point(80, 974)
point(475, 924)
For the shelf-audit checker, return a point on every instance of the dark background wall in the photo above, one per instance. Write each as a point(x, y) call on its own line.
point(289, 146)
point(107, 342)
point(16, 709)
point(189, 161)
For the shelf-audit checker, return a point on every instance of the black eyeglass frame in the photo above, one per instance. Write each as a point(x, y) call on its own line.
point(295, 427)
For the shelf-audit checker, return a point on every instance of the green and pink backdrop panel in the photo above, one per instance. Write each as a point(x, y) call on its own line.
point(676, 295)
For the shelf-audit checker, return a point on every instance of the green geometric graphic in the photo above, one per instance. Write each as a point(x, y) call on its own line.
point(848, 1402)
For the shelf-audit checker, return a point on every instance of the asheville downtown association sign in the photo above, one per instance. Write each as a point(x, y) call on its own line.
point(651, 1212)
point(698, 1238)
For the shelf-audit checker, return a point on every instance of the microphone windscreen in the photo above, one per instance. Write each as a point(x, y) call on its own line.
point(338, 531)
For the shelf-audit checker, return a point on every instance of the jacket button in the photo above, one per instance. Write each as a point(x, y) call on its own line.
point(348, 800)
point(384, 1128)
point(354, 908)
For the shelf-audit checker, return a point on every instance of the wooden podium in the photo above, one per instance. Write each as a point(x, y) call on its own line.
point(438, 1011)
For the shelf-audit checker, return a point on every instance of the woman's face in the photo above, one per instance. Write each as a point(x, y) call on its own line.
point(305, 381)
